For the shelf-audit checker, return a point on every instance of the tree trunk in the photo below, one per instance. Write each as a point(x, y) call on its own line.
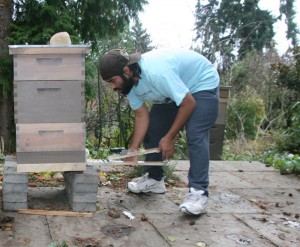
point(6, 89)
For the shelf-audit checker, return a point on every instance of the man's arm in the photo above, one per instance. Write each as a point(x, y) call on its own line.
point(186, 108)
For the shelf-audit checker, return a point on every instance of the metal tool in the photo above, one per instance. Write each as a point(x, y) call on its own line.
point(116, 159)
point(132, 154)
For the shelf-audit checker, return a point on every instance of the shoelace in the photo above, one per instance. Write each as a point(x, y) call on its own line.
point(143, 179)
point(194, 196)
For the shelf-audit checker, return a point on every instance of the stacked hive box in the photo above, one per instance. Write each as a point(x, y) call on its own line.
point(218, 130)
point(49, 107)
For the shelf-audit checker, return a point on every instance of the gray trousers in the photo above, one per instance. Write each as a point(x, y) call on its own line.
point(197, 130)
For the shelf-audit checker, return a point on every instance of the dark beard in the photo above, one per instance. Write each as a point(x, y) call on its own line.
point(127, 85)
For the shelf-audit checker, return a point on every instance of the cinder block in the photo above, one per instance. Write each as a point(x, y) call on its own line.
point(90, 176)
point(85, 188)
point(84, 197)
point(14, 206)
point(85, 178)
point(15, 197)
point(15, 178)
point(72, 187)
point(10, 158)
point(81, 189)
point(10, 166)
point(14, 187)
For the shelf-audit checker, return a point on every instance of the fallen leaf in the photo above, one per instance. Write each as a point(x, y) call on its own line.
point(171, 238)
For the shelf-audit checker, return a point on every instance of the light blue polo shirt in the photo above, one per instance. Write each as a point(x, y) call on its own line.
point(168, 75)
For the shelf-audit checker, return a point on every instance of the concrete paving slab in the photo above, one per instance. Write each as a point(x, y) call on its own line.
point(228, 180)
point(28, 231)
point(240, 165)
point(103, 230)
point(226, 201)
point(212, 229)
point(220, 179)
point(135, 203)
point(180, 165)
point(284, 201)
point(268, 180)
point(273, 227)
point(242, 210)
point(184, 165)
point(176, 195)
point(182, 175)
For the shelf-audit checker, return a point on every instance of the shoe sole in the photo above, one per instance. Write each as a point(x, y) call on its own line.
point(186, 211)
point(147, 191)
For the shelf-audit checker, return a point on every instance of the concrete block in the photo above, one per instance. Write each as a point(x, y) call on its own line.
point(14, 206)
point(15, 178)
point(15, 197)
point(90, 176)
point(10, 158)
point(14, 187)
point(10, 166)
point(85, 188)
point(81, 189)
point(84, 197)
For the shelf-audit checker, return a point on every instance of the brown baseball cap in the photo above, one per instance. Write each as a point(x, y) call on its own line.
point(112, 62)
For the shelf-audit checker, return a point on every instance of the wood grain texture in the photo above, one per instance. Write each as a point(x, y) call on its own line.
point(51, 167)
point(49, 49)
point(49, 101)
point(50, 157)
point(50, 137)
point(55, 213)
point(225, 92)
point(216, 141)
point(49, 67)
point(221, 119)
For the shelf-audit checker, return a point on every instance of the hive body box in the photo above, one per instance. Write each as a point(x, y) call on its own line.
point(217, 131)
point(49, 107)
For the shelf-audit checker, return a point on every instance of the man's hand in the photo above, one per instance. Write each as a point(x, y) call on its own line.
point(133, 159)
point(166, 147)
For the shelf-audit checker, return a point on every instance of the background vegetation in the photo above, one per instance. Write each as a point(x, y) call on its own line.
point(263, 113)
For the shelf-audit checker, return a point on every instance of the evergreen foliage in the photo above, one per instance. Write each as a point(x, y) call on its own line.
point(86, 21)
point(228, 30)
point(287, 9)
point(141, 40)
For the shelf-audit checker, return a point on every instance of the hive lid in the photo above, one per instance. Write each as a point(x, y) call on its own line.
point(48, 49)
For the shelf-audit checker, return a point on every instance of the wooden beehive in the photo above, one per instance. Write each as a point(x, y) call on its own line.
point(217, 132)
point(49, 107)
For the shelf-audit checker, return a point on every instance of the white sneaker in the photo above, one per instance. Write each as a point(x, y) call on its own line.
point(145, 184)
point(139, 178)
point(194, 203)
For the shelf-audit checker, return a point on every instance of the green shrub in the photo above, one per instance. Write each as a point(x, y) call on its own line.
point(244, 115)
point(286, 163)
point(181, 146)
point(290, 138)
